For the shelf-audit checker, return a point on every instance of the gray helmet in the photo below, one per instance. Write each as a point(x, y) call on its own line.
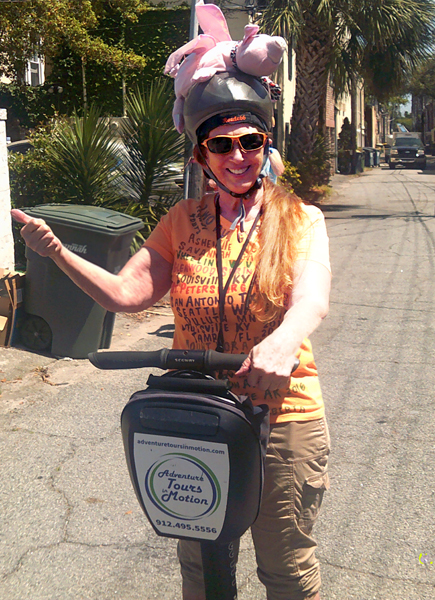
point(223, 94)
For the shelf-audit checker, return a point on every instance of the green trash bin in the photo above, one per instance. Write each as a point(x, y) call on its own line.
point(59, 317)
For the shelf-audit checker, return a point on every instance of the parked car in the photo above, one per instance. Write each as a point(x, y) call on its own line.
point(407, 151)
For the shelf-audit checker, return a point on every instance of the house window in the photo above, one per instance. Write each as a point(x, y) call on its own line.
point(35, 71)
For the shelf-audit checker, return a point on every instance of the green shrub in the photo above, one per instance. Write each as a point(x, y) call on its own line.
point(315, 170)
point(152, 148)
point(80, 160)
point(312, 171)
point(291, 178)
point(31, 179)
point(152, 144)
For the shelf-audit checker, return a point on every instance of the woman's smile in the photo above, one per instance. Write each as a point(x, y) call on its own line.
point(239, 171)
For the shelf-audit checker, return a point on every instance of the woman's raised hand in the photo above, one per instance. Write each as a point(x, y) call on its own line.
point(37, 234)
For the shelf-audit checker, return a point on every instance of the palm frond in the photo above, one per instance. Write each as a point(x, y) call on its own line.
point(85, 156)
point(152, 145)
point(381, 41)
point(283, 18)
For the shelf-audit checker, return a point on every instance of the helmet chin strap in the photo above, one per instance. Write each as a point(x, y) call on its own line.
point(256, 186)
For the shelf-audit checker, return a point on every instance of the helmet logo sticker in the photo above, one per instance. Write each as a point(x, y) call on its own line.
point(235, 119)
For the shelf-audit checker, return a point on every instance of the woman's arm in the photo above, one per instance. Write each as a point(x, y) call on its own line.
point(270, 363)
point(145, 278)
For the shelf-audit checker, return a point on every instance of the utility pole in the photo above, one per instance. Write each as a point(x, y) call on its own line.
point(354, 118)
point(194, 181)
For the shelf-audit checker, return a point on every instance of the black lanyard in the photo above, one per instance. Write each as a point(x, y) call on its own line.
point(223, 290)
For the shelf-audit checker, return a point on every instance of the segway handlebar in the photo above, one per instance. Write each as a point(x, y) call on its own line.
point(196, 360)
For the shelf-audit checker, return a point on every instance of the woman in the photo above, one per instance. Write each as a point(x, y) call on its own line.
point(248, 271)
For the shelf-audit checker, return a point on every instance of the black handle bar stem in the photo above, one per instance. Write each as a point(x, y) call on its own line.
point(219, 571)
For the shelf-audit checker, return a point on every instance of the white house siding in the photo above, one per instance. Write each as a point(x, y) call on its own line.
point(6, 240)
point(284, 108)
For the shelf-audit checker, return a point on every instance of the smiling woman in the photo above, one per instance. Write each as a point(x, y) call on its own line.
point(248, 271)
point(250, 274)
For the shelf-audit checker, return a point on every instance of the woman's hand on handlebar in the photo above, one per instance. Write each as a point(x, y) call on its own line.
point(268, 366)
point(37, 234)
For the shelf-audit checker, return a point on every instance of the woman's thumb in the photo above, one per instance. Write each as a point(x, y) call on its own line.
point(245, 368)
point(20, 216)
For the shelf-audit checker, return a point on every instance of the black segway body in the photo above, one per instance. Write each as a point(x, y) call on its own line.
point(195, 454)
point(195, 457)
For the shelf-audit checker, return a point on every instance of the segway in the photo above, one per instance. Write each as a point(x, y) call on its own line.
point(195, 454)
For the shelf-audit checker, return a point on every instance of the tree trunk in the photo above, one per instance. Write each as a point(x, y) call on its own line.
point(312, 58)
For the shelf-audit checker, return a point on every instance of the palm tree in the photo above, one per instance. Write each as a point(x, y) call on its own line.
point(152, 144)
point(84, 158)
point(376, 40)
point(153, 155)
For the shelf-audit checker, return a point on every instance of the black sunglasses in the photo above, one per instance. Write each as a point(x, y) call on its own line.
point(223, 144)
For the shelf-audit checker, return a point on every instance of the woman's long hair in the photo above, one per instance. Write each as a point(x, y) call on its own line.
point(277, 248)
point(278, 239)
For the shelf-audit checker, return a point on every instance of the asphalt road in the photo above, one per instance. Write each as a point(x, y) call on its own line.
point(375, 353)
point(71, 527)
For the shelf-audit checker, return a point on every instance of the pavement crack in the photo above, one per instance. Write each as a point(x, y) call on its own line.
point(381, 577)
point(115, 546)
point(379, 307)
point(62, 436)
point(52, 483)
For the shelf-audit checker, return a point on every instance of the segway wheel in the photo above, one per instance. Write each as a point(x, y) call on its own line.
point(35, 333)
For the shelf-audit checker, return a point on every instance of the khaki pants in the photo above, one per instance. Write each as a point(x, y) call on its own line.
point(295, 480)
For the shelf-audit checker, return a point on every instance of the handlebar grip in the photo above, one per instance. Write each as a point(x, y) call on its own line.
point(216, 361)
point(197, 360)
point(129, 359)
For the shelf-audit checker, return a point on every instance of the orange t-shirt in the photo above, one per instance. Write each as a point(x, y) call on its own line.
point(186, 237)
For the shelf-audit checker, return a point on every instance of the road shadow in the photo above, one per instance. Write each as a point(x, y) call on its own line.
point(407, 216)
point(339, 207)
point(166, 331)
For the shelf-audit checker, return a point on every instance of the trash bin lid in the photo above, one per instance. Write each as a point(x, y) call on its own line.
point(90, 218)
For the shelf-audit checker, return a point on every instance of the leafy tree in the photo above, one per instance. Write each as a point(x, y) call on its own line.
point(377, 40)
point(422, 80)
point(43, 26)
point(154, 34)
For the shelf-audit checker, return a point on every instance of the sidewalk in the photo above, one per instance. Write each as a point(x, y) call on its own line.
point(20, 368)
